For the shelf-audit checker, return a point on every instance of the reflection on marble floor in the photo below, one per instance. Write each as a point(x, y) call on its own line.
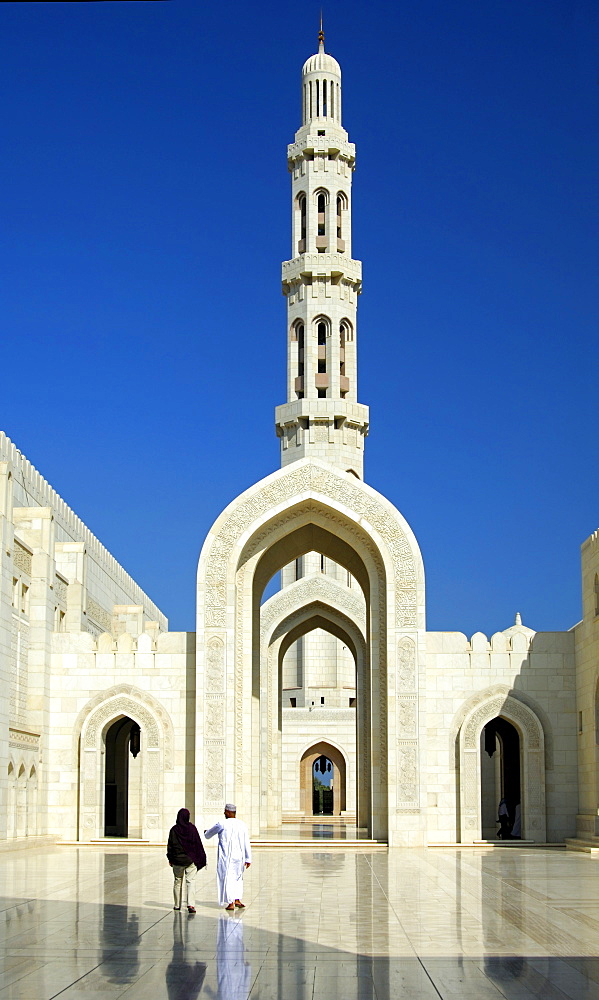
point(317, 829)
point(97, 923)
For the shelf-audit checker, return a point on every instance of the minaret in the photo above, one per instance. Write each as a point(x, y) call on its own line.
point(322, 417)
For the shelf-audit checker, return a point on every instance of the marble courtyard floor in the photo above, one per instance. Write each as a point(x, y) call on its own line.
point(97, 923)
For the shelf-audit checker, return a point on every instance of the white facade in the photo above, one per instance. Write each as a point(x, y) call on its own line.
point(109, 722)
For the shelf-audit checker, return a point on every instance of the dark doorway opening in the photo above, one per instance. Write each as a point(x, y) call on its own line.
point(500, 779)
point(122, 744)
point(322, 787)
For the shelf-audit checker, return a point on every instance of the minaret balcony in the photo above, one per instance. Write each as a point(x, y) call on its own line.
point(340, 245)
point(301, 246)
point(322, 242)
point(321, 381)
point(299, 383)
point(343, 383)
point(335, 143)
point(322, 263)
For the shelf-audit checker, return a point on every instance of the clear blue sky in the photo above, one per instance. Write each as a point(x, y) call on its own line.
point(145, 216)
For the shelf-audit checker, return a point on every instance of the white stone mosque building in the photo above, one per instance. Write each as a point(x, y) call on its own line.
point(109, 722)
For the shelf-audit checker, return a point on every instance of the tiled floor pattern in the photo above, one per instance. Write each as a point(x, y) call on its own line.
point(474, 924)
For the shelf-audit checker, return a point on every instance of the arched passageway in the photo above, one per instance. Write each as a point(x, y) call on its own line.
point(308, 507)
point(516, 769)
point(122, 779)
point(123, 739)
point(500, 777)
point(316, 801)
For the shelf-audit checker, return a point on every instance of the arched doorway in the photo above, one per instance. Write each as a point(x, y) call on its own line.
point(347, 729)
point(473, 760)
point(308, 507)
point(322, 787)
point(500, 776)
point(330, 798)
point(122, 779)
point(107, 727)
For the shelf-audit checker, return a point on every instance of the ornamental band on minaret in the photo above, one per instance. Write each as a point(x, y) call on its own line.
point(322, 417)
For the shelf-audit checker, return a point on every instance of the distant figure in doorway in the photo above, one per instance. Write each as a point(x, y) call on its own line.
point(234, 856)
point(186, 855)
point(503, 814)
point(517, 827)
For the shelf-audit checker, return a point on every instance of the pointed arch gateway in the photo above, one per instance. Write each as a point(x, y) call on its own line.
point(97, 719)
point(309, 506)
point(278, 634)
point(483, 710)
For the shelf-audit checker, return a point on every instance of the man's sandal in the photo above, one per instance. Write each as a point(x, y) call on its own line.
point(231, 906)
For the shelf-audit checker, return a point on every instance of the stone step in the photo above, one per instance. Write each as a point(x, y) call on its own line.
point(497, 843)
point(586, 845)
point(109, 842)
point(321, 844)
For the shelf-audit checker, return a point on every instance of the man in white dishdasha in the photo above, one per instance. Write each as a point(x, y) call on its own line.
point(234, 856)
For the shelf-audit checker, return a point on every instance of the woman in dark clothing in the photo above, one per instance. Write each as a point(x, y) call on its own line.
point(186, 855)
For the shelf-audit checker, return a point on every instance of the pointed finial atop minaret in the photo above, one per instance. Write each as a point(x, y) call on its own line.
point(321, 36)
point(518, 620)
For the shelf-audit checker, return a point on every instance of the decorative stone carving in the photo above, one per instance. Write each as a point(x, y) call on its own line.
point(124, 699)
point(470, 781)
point(239, 619)
point(22, 558)
point(307, 590)
point(123, 706)
point(20, 740)
point(98, 614)
point(407, 773)
point(152, 763)
point(215, 774)
point(509, 708)
point(407, 718)
point(215, 665)
point(330, 485)
point(304, 612)
point(60, 590)
point(406, 665)
point(215, 718)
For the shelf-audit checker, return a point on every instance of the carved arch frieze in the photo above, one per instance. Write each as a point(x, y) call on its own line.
point(125, 699)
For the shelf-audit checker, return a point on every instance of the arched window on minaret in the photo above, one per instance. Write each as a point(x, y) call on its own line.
point(332, 98)
point(345, 336)
point(341, 208)
point(301, 222)
point(297, 334)
point(322, 377)
point(324, 98)
point(322, 198)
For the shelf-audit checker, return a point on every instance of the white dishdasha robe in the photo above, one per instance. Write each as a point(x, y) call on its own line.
point(233, 852)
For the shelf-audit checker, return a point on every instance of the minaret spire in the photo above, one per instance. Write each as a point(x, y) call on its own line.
point(322, 417)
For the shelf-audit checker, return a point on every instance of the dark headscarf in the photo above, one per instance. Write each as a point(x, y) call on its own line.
point(189, 839)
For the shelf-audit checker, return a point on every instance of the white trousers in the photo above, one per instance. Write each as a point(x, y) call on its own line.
point(190, 874)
